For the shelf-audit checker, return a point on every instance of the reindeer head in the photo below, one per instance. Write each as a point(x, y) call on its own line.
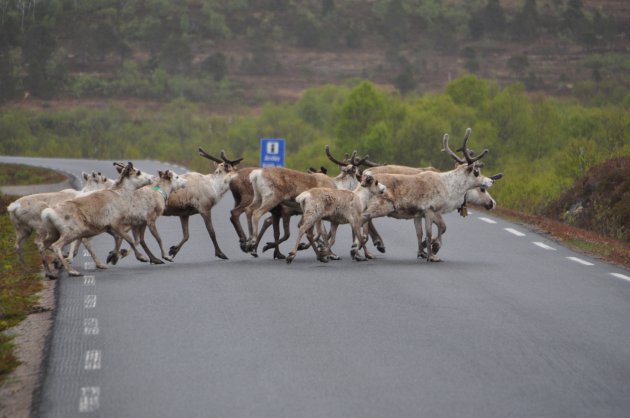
point(470, 165)
point(223, 165)
point(350, 174)
point(370, 183)
point(175, 181)
point(132, 177)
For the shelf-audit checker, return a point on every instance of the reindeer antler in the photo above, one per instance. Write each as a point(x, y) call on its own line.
point(470, 159)
point(334, 160)
point(228, 161)
point(208, 156)
point(450, 151)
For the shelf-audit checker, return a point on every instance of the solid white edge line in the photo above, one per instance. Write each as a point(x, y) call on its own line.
point(620, 276)
point(89, 400)
point(543, 246)
point(579, 260)
point(487, 220)
point(514, 232)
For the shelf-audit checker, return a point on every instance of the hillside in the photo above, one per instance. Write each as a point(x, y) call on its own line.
point(228, 55)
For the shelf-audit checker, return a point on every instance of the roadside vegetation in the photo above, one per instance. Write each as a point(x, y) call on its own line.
point(17, 289)
point(19, 175)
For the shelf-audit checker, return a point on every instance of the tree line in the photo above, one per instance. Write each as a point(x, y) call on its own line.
point(163, 50)
point(542, 144)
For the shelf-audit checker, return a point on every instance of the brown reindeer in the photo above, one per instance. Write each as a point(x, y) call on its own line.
point(278, 185)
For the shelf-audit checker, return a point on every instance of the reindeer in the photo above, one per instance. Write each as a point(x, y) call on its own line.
point(478, 196)
point(202, 193)
point(426, 195)
point(339, 206)
point(148, 204)
point(275, 185)
point(25, 213)
point(91, 215)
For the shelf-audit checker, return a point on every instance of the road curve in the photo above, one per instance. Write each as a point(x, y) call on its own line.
point(510, 324)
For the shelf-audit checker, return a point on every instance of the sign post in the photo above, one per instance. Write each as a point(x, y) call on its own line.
point(272, 152)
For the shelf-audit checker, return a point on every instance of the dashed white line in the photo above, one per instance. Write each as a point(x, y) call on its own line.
point(90, 326)
point(89, 400)
point(89, 265)
point(620, 276)
point(514, 232)
point(579, 260)
point(487, 220)
point(86, 253)
point(544, 246)
point(89, 301)
point(89, 280)
point(92, 360)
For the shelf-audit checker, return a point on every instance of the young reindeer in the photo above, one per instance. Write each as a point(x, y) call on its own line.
point(426, 195)
point(275, 185)
point(26, 212)
point(93, 214)
point(202, 193)
point(338, 206)
point(147, 206)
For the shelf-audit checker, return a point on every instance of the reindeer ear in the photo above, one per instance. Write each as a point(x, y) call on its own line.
point(160, 173)
point(85, 175)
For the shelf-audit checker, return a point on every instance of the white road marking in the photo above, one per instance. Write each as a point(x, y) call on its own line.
point(579, 260)
point(86, 253)
point(89, 280)
point(90, 326)
point(621, 276)
point(88, 402)
point(89, 265)
point(89, 301)
point(544, 246)
point(487, 220)
point(514, 232)
point(92, 360)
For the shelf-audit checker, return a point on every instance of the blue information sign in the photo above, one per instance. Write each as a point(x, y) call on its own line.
point(272, 152)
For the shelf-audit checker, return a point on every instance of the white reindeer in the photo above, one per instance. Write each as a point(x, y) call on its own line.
point(427, 195)
point(91, 215)
point(202, 193)
point(26, 212)
point(147, 206)
point(338, 206)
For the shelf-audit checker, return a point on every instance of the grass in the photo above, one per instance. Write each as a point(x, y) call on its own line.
point(18, 290)
point(20, 175)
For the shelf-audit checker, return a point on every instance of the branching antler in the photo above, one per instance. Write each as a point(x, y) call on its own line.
point(208, 156)
point(228, 161)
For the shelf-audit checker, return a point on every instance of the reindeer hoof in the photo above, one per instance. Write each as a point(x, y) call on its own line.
point(156, 261)
point(52, 276)
point(167, 258)
point(112, 258)
point(434, 259)
point(243, 245)
point(290, 257)
point(279, 256)
point(435, 247)
point(324, 258)
point(101, 266)
point(124, 253)
point(221, 256)
point(74, 273)
point(173, 251)
point(268, 246)
point(254, 254)
point(303, 246)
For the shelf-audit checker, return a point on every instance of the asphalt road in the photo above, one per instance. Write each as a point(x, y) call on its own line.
point(509, 324)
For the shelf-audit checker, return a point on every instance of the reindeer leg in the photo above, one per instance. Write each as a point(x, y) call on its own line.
point(329, 240)
point(266, 224)
point(256, 215)
point(302, 229)
point(120, 230)
point(20, 238)
point(153, 228)
point(428, 224)
point(87, 243)
point(175, 248)
point(139, 231)
point(417, 223)
point(277, 255)
point(235, 214)
point(207, 218)
point(114, 255)
point(57, 247)
point(377, 240)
